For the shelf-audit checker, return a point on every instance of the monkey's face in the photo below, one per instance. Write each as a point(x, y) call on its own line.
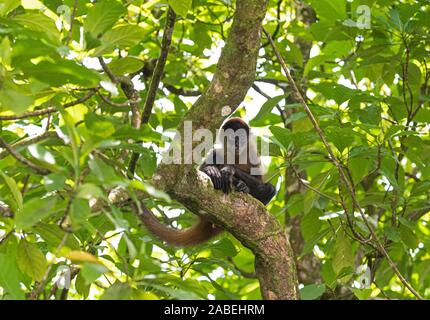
point(238, 140)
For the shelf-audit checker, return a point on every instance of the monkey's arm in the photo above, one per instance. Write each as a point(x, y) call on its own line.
point(257, 188)
point(213, 172)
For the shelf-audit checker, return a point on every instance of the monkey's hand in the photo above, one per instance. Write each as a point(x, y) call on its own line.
point(215, 175)
point(241, 187)
point(227, 174)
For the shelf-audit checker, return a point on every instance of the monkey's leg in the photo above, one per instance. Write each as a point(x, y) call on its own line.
point(258, 189)
point(240, 186)
point(263, 192)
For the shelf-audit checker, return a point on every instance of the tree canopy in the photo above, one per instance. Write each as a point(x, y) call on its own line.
point(91, 91)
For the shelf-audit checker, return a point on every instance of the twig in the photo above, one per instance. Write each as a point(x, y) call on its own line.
point(6, 236)
point(335, 161)
point(22, 159)
point(49, 110)
point(182, 92)
point(30, 140)
point(116, 104)
point(129, 91)
point(72, 19)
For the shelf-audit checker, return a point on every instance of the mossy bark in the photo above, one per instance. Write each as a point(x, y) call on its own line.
point(244, 217)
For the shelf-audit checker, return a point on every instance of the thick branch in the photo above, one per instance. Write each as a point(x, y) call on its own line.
point(245, 218)
point(155, 80)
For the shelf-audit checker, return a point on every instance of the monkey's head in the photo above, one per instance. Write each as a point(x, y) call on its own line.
point(236, 131)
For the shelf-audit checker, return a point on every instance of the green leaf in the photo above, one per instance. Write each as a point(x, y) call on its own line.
point(10, 277)
point(62, 72)
point(312, 291)
point(13, 189)
point(54, 181)
point(340, 137)
point(8, 5)
point(223, 248)
point(329, 10)
point(144, 186)
point(88, 191)
point(99, 125)
point(34, 211)
point(310, 224)
point(53, 235)
point(125, 65)
point(370, 115)
point(5, 52)
point(41, 153)
point(31, 260)
point(343, 255)
point(15, 98)
point(392, 233)
point(359, 168)
point(79, 211)
point(181, 7)
point(309, 245)
point(328, 274)
point(408, 237)
point(92, 271)
point(81, 287)
point(362, 294)
point(282, 135)
point(118, 291)
point(148, 162)
point(120, 36)
point(268, 106)
point(103, 172)
point(37, 21)
point(102, 16)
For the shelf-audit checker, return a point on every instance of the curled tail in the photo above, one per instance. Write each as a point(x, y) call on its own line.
point(199, 233)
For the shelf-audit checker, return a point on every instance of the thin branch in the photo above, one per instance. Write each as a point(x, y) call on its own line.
point(116, 104)
point(159, 66)
point(182, 92)
point(49, 110)
point(155, 79)
point(22, 159)
point(28, 141)
point(341, 171)
point(72, 19)
point(129, 91)
point(109, 73)
point(6, 236)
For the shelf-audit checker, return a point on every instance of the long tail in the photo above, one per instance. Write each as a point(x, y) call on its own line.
point(199, 233)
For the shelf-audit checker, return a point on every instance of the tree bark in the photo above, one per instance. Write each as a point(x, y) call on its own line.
point(246, 218)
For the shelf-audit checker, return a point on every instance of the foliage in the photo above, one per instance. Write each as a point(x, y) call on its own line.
point(368, 88)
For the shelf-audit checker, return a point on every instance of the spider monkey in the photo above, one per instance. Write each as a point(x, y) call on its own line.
point(228, 168)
